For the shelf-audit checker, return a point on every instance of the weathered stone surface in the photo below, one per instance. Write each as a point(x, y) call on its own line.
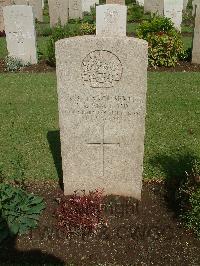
point(87, 4)
point(2, 4)
point(102, 83)
point(37, 9)
point(119, 2)
point(20, 2)
point(20, 32)
point(111, 20)
point(75, 9)
point(185, 3)
point(173, 10)
point(58, 11)
point(194, 4)
point(196, 38)
point(154, 6)
point(140, 2)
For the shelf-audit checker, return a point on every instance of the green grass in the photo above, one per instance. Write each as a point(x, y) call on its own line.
point(29, 112)
point(187, 42)
point(3, 49)
point(172, 128)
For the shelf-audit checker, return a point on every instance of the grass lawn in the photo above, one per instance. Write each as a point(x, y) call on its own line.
point(29, 113)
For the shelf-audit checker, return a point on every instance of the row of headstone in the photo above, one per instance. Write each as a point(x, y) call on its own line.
point(63, 10)
point(169, 8)
point(37, 7)
point(102, 101)
point(36, 4)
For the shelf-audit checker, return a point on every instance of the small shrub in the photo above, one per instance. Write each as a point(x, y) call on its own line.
point(188, 197)
point(14, 64)
point(18, 209)
point(87, 29)
point(58, 33)
point(165, 44)
point(81, 212)
point(135, 13)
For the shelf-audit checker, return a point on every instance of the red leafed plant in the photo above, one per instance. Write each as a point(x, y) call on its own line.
point(84, 211)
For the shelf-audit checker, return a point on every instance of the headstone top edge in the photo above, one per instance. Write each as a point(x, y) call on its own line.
point(111, 5)
point(17, 7)
point(101, 38)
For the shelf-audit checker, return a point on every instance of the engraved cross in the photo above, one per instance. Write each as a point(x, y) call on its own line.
point(103, 144)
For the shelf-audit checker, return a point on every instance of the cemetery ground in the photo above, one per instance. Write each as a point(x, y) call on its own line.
point(150, 232)
point(146, 233)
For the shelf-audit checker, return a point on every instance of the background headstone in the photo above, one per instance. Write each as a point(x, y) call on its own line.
point(37, 9)
point(102, 99)
point(75, 9)
point(3, 3)
point(20, 32)
point(119, 2)
point(140, 2)
point(173, 10)
point(154, 6)
point(111, 20)
point(87, 4)
point(196, 38)
point(195, 3)
point(185, 3)
point(58, 11)
point(20, 2)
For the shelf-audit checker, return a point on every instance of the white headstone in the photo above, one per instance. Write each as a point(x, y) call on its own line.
point(196, 38)
point(185, 3)
point(154, 6)
point(195, 3)
point(87, 4)
point(173, 10)
point(37, 9)
point(20, 33)
point(140, 2)
point(102, 102)
point(20, 2)
point(75, 9)
point(3, 3)
point(58, 12)
point(111, 20)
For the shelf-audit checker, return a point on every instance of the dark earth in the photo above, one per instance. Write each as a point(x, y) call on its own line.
point(148, 233)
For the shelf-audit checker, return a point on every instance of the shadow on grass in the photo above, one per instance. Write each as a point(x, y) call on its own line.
point(10, 255)
point(175, 168)
point(53, 138)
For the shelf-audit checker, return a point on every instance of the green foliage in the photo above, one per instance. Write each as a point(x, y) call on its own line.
point(188, 196)
point(19, 210)
point(87, 29)
point(165, 44)
point(58, 33)
point(135, 13)
point(14, 64)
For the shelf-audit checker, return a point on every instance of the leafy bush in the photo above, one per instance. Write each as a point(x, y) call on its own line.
point(82, 212)
point(58, 33)
point(18, 209)
point(135, 13)
point(188, 197)
point(87, 29)
point(165, 44)
point(14, 64)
